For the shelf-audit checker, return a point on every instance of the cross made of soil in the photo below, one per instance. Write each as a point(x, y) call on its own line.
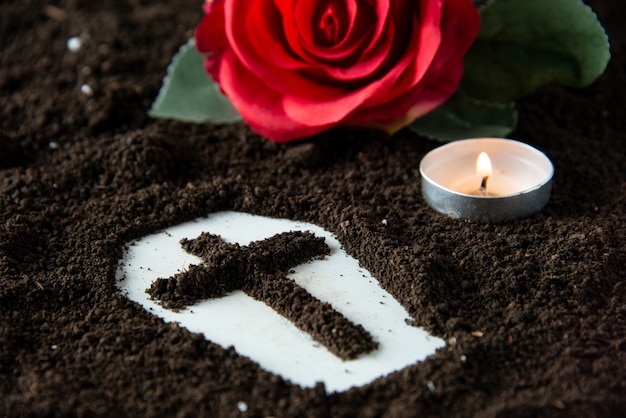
point(260, 270)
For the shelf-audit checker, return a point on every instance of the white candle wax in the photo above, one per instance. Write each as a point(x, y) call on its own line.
point(517, 167)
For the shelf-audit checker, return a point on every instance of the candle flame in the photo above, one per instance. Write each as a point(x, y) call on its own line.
point(483, 165)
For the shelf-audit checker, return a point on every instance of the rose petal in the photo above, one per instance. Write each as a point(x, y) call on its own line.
point(308, 21)
point(431, 95)
point(272, 41)
point(385, 48)
point(364, 69)
point(460, 27)
point(283, 80)
point(436, 92)
point(210, 34)
point(360, 34)
point(297, 25)
point(331, 22)
point(292, 83)
point(425, 49)
point(212, 64)
point(383, 20)
point(210, 37)
point(290, 28)
point(260, 106)
point(311, 112)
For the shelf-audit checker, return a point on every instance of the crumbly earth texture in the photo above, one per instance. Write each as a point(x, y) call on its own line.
point(533, 311)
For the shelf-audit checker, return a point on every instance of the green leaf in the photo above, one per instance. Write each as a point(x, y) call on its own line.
point(525, 44)
point(464, 117)
point(188, 93)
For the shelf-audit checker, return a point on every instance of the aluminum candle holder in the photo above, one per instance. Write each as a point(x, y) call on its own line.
point(516, 183)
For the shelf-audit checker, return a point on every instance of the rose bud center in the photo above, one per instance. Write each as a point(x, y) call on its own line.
point(330, 23)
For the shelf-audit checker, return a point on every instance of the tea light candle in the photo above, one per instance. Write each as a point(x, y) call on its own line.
point(486, 179)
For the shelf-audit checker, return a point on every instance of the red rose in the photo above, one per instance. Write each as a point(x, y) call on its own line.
point(293, 68)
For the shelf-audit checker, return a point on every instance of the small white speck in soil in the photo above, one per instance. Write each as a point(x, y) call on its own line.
point(242, 406)
point(86, 89)
point(75, 43)
point(430, 385)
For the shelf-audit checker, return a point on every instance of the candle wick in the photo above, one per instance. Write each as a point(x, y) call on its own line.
point(482, 190)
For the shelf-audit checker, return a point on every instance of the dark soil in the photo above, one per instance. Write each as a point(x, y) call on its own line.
point(534, 311)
